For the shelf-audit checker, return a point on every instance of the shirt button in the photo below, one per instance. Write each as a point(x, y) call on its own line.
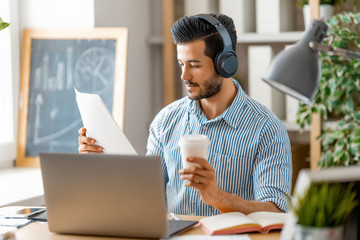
point(229, 160)
point(204, 128)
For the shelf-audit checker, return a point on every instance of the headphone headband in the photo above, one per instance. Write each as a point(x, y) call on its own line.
point(225, 61)
point(219, 27)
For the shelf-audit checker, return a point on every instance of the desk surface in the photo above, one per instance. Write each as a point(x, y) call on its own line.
point(36, 231)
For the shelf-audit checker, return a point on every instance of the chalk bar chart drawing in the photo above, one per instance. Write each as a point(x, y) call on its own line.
point(57, 66)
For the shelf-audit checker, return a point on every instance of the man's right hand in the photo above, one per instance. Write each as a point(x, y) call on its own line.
point(87, 144)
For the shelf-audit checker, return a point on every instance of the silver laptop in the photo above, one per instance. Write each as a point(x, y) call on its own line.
point(108, 195)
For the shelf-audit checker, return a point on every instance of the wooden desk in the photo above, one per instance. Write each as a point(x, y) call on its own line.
point(36, 231)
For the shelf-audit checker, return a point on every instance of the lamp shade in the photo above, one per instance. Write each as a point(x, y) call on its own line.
point(296, 71)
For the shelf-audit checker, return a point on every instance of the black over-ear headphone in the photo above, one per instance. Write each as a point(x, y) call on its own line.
point(225, 61)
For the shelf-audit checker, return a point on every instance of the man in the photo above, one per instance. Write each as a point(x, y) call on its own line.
point(249, 165)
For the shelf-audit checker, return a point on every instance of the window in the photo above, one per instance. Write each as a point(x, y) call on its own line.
point(9, 78)
point(6, 103)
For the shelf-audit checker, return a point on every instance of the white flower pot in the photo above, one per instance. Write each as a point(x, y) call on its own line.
point(326, 12)
point(315, 233)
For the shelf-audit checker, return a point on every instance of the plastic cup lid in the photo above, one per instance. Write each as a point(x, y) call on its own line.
point(194, 140)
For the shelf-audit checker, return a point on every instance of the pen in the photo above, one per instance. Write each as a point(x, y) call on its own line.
point(173, 216)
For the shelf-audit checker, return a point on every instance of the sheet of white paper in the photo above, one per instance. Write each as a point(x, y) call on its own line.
point(219, 237)
point(101, 126)
point(14, 222)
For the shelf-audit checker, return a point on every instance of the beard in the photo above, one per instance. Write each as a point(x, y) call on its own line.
point(210, 87)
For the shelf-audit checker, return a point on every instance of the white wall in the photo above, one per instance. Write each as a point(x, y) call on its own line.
point(56, 13)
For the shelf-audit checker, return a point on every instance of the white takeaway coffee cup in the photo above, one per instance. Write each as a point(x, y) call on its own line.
point(196, 145)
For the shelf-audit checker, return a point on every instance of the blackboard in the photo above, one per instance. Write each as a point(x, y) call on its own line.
point(54, 62)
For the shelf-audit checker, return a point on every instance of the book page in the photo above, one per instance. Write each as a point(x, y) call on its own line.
point(101, 126)
point(227, 221)
point(268, 218)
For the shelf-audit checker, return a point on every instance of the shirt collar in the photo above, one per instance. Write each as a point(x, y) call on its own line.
point(230, 114)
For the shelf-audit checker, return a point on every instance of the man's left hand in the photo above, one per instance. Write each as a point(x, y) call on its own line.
point(203, 179)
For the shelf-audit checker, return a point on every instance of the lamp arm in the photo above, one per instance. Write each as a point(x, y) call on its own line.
point(332, 50)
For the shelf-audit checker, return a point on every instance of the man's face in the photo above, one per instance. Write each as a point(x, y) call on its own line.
point(198, 70)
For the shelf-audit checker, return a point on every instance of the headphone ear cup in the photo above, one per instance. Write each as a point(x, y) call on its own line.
point(226, 63)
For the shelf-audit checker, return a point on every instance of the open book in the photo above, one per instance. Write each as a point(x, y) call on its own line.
point(237, 222)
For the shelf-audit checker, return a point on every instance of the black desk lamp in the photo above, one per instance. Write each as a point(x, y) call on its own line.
point(296, 71)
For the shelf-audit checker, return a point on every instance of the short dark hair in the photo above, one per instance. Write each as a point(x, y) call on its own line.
point(191, 28)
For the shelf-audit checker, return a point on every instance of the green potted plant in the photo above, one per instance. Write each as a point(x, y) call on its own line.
point(323, 211)
point(3, 24)
point(337, 98)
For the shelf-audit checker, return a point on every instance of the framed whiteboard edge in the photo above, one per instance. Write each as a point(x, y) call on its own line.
point(118, 34)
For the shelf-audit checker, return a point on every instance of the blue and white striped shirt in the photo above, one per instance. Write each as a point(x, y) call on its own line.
point(250, 152)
